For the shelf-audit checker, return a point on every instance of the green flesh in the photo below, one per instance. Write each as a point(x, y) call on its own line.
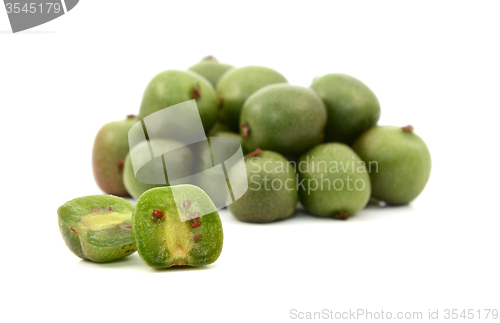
point(170, 241)
point(93, 232)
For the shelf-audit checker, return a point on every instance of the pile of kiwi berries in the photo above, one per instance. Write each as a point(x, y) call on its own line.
point(320, 146)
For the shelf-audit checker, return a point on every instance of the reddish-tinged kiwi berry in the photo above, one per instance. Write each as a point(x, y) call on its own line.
point(336, 182)
point(172, 87)
point(352, 107)
point(237, 85)
point(157, 214)
point(285, 118)
point(400, 162)
point(97, 236)
point(176, 240)
point(110, 148)
point(272, 189)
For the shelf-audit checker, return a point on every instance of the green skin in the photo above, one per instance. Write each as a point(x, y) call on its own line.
point(210, 69)
point(218, 127)
point(169, 241)
point(235, 86)
point(94, 232)
point(262, 203)
point(172, 87)
point(285, 118)
point(108, 154)
point(404, 163)
point(328, 201)
point(352, 107)
point(205, 162)
point(136, 188)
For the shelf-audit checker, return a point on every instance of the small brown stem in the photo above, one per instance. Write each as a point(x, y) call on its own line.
point(196, 91)
point(209, 58)
point(255, 153)
point(343, 216)
point(244, 128)
point(408, 128)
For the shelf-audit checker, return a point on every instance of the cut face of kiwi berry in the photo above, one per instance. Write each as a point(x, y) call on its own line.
point(98, 227)
point(177, 226)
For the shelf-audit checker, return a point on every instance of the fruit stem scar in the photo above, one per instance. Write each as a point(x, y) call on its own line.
point(244, 128)
point(158, 214)
point(71, 228)
point(195, 223)
point(343, 216)
point(209, 57)
point(196, 91)
point(255, 153)
point(408, 128)
point(120, 166)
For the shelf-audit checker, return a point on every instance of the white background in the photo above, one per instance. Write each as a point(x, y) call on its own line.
point(433, 65)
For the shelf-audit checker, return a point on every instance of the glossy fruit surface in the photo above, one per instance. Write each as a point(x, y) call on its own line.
point(177, 226)
point(272, 190)
point(108, 155)
point(285, 118)
point(400, 162)
point(352, 107)
point(98, 227)
point(335, 181)
point(153, 168)
point(172, 87)
point(235, 86)
point(211, 69)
